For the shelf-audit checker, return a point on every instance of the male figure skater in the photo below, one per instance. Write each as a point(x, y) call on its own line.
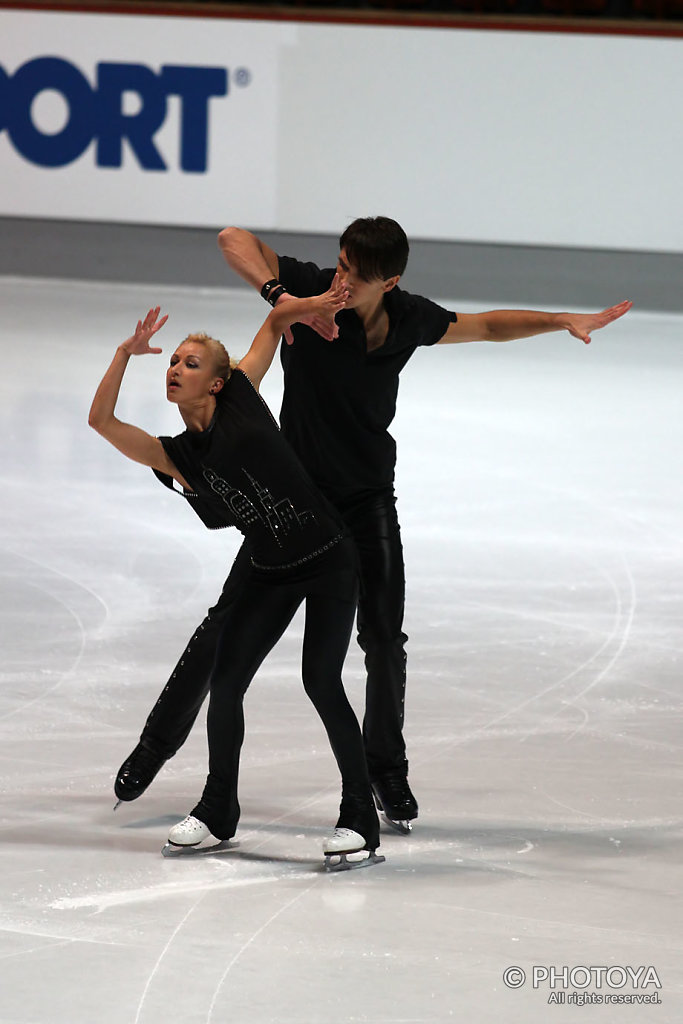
point(340, 389)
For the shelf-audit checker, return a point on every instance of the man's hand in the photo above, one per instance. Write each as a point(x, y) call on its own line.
point(138, 343)
point(582, 325)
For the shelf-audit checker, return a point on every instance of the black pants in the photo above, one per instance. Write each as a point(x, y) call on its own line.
point(372, 521)
point(252, 626)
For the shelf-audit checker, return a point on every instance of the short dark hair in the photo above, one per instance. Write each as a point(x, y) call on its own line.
point(377, 247)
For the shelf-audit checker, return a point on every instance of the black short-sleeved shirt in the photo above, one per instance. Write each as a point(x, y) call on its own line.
point(243, 473)
point(339, 399)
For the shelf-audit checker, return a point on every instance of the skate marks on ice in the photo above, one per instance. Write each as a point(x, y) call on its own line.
point(352, 900)
point(49, 614)
point(203, 885)
point(267, 870)
point(551, 701)
point(288, 889)
point(621, 591)
point(250, 941)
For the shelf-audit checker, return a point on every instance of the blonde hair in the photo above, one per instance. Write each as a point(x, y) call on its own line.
point(223, 364)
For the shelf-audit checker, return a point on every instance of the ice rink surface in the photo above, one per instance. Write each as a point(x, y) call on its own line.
point(541, 499)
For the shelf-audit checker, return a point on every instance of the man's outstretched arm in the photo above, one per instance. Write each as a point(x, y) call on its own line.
point(511, 324)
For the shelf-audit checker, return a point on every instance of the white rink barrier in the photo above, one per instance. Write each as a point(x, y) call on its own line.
point(469, 135)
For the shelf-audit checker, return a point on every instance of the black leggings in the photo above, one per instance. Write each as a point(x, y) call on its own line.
point(252, 626)
point(373, 524)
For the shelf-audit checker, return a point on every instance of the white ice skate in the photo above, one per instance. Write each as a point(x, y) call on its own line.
point(346, 850)
point(187, 836)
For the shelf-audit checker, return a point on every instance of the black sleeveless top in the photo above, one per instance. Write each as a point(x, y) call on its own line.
point(243, 473)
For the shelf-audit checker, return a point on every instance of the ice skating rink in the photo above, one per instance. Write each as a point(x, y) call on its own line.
point(541, 497)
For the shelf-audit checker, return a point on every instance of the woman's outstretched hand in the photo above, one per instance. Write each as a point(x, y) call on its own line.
point(331, 301)
point(323, 309)
point(138, 343)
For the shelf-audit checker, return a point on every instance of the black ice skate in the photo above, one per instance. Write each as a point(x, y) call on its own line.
point(395, 800)
point(356, 835)
point(187, 836)
point(136, 772)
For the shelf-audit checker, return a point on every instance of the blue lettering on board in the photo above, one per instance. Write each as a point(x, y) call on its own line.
point(98, 113)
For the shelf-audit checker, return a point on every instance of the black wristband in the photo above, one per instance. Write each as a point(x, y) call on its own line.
point(272, 290)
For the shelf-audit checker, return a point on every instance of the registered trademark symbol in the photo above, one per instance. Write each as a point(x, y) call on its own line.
point(242, 76)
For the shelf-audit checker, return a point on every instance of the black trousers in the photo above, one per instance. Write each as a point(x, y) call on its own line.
point(252, 626)
point(372, 521)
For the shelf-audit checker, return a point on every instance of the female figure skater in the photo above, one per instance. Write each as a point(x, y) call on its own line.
point(236, 469)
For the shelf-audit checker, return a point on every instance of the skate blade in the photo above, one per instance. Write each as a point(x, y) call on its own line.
point(117, 804)
point(173, 850)
point(403, 827)
point(352, 861)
